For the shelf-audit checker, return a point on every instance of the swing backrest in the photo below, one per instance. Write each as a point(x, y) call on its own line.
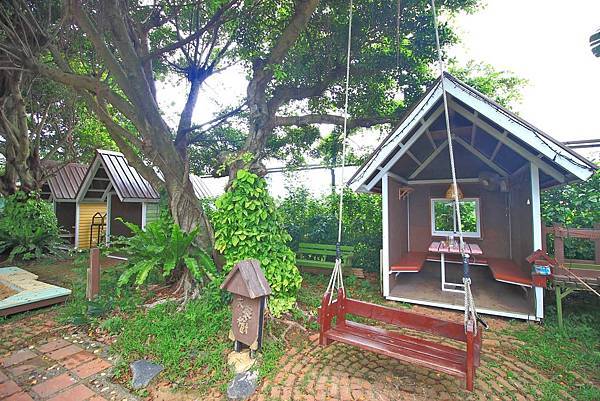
point(404, 319)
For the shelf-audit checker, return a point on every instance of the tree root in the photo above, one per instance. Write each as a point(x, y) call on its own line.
point(290, 324)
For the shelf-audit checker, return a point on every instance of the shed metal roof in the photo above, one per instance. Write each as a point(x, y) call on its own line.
point(64, 181)
point(200, 188)
point(127, 182)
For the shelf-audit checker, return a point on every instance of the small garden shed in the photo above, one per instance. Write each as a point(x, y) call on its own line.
point(61, 189)
point(502, 164)
point(124, 192)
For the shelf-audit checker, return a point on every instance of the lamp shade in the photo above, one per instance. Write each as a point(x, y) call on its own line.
point(450, 192)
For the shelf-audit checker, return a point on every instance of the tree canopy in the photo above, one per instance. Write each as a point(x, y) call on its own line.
point(111, 54)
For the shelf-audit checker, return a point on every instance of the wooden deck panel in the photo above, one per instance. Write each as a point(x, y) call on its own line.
point(31, 293)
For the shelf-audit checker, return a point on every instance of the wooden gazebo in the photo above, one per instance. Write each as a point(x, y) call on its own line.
point(502, 163)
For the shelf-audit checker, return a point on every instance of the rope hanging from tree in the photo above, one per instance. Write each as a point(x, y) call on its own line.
point(336, 281)
point(470, 312)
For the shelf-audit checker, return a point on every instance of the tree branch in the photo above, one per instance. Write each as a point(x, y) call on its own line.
point(214, 122)
point(262, 73)
point(215, 19)
point(309, 119)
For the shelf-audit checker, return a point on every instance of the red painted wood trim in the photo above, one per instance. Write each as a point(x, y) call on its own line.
point(396, 353)
point(443, 352)
point(410, 262)
point(408, 320)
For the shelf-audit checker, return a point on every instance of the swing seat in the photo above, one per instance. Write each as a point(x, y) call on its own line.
point(443, 358)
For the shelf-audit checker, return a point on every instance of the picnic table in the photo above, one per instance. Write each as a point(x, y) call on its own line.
point(444, 248)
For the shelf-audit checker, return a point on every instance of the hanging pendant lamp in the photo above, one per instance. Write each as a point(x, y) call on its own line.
point(450, 192)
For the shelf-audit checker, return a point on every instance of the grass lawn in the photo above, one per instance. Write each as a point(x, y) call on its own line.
point(569, 357)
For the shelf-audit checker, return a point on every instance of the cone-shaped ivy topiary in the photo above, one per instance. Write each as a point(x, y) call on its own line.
point(247, 225)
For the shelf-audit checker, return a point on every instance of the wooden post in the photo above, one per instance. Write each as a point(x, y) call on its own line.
point(560, 295)
point(559, 314)
point(597, 246)
point(93, 275)
point(341, 311)
point(544, 237)
point(559, 244)
point(324, 319)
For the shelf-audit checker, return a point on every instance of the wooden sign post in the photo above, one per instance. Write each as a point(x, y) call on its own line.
point(250, 290)
point(93, 275)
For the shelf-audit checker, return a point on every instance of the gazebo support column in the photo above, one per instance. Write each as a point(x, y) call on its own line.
point(536, 214)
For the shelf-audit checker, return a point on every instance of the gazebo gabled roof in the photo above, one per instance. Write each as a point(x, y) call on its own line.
point(500, 140)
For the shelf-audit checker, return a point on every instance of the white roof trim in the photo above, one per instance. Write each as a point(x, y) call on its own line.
point(393, 140)
point(89, 176)
point(546, 147)
point(536, 139)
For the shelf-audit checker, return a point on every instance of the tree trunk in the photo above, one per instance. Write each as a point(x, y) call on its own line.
point(22, 164)
point(188, 214)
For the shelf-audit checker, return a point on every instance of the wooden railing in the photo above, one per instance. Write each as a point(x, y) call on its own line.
point(561, 233)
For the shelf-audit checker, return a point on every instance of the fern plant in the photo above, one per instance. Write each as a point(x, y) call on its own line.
point(160, 248)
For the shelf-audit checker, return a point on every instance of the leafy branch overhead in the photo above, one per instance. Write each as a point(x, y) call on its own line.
point(113, 54)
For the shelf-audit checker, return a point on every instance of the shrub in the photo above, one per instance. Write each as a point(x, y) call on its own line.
point(187, 343)
point(248, 225)
point(160, 248)
point(28, 227)
point(315, 219)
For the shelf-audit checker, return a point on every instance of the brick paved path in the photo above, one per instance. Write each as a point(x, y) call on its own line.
point(341, 372)
point(69, 368)
point(39, 362)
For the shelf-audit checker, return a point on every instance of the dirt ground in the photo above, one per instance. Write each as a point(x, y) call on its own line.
point(6, 292)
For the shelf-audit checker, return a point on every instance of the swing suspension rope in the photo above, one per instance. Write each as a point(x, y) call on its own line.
point(336, 281)
point(470, 312)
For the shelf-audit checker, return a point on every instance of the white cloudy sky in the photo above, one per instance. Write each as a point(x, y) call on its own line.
point(546, 42)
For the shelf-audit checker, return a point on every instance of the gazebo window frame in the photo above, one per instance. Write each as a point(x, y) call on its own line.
point(466, 234)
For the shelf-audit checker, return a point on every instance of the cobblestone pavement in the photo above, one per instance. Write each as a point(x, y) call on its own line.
point(345, 373)
point(37, 363)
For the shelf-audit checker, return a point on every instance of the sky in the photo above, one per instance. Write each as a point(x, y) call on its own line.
point(546, 42)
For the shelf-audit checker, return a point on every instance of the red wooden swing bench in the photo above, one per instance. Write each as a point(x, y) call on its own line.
point(443, 358)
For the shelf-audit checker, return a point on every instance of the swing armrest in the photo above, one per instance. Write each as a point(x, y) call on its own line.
point(327, 311)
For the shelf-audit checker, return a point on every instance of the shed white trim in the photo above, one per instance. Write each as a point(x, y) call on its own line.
point(386, 237)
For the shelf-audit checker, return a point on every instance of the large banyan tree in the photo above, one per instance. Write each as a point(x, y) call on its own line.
point(111, 53)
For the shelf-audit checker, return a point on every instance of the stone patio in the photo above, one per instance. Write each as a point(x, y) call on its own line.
point(42, 360)
point(344, 373)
